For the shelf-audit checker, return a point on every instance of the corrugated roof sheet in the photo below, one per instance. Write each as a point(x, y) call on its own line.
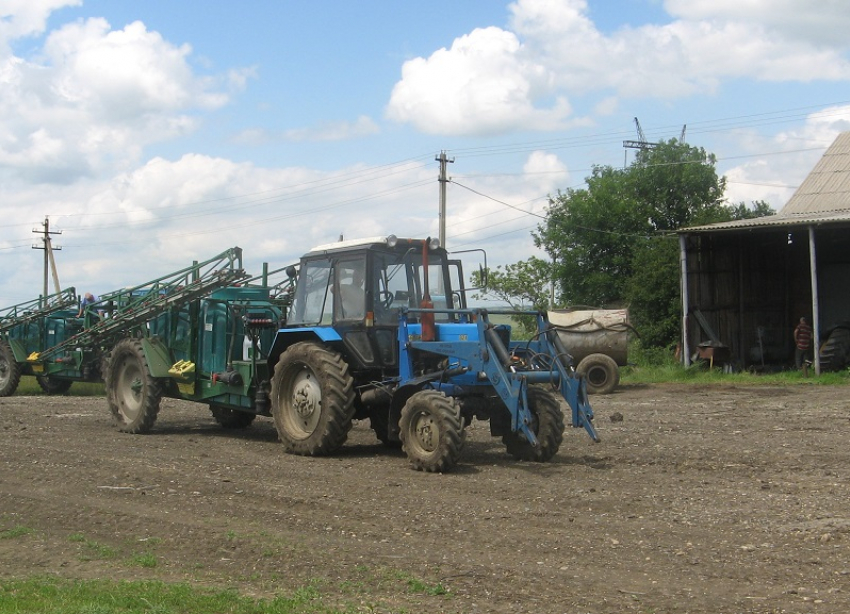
point(827, 187)
point(822, 198)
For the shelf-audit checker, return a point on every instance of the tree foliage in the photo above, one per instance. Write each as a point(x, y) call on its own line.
point(524, 286)
point(612, 243)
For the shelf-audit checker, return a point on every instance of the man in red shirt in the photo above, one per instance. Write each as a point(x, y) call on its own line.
point(803, 343)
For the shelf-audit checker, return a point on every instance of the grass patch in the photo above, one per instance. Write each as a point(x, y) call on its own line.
point(701, 374)
point(57, 596)
point(91, 550)
point(143, 559)
point(659, 366)
point(28, 386)
point(18, 531)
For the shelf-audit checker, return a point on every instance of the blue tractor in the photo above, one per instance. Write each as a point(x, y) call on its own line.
point(380, 329)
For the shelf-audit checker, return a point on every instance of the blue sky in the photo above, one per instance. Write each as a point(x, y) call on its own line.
point(155, 133)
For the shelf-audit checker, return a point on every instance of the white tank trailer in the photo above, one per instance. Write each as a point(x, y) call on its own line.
point(598, 341)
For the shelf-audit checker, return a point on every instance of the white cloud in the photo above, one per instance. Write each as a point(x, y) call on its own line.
point(497, 80)
point(363, 126)
point(21, 18)
point(481, 85)
point(95, 97)
point(335, 131)
point(794, 153)
point(826, 21)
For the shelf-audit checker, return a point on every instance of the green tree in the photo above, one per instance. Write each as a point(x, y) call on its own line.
point(612, 242)
point(524, 286)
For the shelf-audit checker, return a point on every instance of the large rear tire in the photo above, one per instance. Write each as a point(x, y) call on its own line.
point(600, 372)
point(53, 385)
point(10, 370)
point(548, 427)
point(312, 399)
point(431, 431)
point(132, 393)
point(835, 351)
point(232, 419)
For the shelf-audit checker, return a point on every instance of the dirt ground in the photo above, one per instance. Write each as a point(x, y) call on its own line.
point(702, 499)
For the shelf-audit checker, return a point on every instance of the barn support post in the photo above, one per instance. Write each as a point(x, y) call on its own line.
point(813, 272)
point(683, 261)
point(741, 304)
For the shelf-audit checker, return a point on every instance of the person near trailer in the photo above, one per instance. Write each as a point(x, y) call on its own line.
point(802, 343)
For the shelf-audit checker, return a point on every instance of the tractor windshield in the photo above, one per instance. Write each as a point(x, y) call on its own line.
point(348, 287)
point(402, 283)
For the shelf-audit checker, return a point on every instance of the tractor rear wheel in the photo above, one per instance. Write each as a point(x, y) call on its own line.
point(53, 385)
point(133, 394)
point(835, 351)
point(548, 427)
point(431, 431)
point(600, 373)
point(312, 399)
point(232, 418)
point(10, 370)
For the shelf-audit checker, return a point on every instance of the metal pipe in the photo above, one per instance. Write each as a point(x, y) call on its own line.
point(813, 268)
point(683, 261)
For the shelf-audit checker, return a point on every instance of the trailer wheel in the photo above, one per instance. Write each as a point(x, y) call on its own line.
point(53, 385)
point(231, 418)
point(548, 426)
point(10, 370)
point(431, 431)
point(133, 394)
point(600, 372)
point(312, 399)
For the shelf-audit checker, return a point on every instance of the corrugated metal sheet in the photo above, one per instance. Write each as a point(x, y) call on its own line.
point(827, 187)
point(822, 198)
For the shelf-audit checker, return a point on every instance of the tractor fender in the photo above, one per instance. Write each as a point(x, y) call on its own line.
point(158, 357)
point(285, 337)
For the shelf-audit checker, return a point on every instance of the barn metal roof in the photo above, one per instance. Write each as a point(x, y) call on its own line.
point(822, 198)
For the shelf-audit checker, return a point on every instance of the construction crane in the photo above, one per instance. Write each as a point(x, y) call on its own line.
point(641, 143)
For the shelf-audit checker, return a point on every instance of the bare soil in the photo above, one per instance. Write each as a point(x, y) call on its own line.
point(702, 499)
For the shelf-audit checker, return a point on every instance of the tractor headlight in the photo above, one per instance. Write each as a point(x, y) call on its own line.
point(433, 243)
point(392, 241)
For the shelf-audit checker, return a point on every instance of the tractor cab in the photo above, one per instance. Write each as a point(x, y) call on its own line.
point(357, 289)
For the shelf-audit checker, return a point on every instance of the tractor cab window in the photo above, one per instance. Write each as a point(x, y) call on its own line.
point(351, 283)
point(313, 296)
point(401, 283)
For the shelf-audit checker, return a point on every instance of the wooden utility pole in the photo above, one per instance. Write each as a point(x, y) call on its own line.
point(443, 160)
point(48, 247)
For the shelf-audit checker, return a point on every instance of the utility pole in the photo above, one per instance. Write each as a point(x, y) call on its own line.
point(49, 262)
point(443, 160)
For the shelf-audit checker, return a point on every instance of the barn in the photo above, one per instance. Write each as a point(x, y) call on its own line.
point(745, 284)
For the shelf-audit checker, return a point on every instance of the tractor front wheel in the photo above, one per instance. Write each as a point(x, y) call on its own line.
point(431, 431)
point(547, 426)
point(133, 394)
point(312, 399)
point(10, 370)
